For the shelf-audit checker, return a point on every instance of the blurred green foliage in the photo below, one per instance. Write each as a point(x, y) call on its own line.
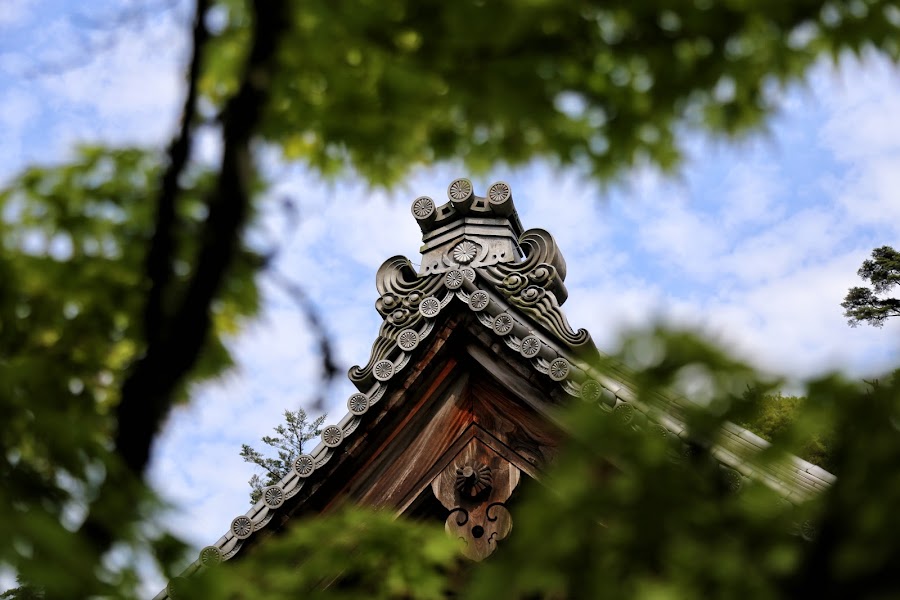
point(627, 513)
point(776, 414)
point(667, 526)
point(383, 87)
point(369, 554)
point(74, 239)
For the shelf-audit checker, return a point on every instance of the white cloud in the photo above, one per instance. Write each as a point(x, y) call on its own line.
point(680, 236)
point(804, 237)
point(13, 63)
point(14, 13)
point(751, 195)
point(793, 324)
point(127, 93)
point(18, 110)
point(870, 193)
point(862, 99)
point(861, 131)
point(611, 308)
point(564, 203)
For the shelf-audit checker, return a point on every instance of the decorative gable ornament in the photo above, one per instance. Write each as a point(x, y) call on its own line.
point(454, 405)
point(468, 230)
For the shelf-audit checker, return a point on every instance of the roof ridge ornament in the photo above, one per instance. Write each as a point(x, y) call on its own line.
point(472, 245)
point(469, 229)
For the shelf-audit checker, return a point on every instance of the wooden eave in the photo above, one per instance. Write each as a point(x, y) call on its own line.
point(462, 387)
point(462, 348)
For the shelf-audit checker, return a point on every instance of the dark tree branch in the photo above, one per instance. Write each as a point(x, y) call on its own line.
point(173, 350)
point(162, 246)
point(329, 365)
point(329, 368)
point(147, 393)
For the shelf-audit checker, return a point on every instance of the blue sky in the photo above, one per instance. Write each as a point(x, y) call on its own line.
point(754, 243)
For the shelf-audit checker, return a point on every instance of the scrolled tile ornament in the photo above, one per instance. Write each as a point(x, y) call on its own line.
point(479, 300)
point(499, 193)
point(624, 413)
point(454, 279)
point(423, 207)
point(591, 391)
point(733, 480)
point(559, 369)
point(400, 302)
point(513, 283)
point(400, 287)
point(389, 301)
point(399, 317)
point(531, 295)
point(304, 465)
point(412, 299)
point(408, 339)
point(332, 436)
point(176, 587)
point(537, 284)
point(459, 189)
point(430, 307)
point(503, 324)
point(465, 252)
point(542, 274)
point(210, 556)
point(358, 403)
point(242, 527)
point(530, 347)
point(273, 496)
point(383, 370)
point(808, 530)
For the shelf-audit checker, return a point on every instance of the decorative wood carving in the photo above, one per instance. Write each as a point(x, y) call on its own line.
point(475, 487)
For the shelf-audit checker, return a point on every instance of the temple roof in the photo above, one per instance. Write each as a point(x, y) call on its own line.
point(480, 267)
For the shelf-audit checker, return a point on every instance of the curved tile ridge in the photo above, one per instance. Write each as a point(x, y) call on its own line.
point(795, 479)
point(400, 335)
point(407, 302)
point(260, 514)
point(545, 353)
point(534, 285)
point(542, 264)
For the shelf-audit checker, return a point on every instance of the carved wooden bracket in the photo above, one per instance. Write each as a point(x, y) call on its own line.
point(474, 487)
